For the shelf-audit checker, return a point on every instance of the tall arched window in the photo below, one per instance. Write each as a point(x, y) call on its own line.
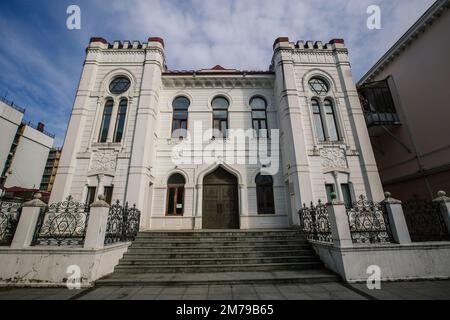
point(330, 117)
point(106, 120)
point(318, 122)
point(180, 116)
point(175, 195)
point(220, 115)
point(259, 116)
point(264, 194)
point(120, 122)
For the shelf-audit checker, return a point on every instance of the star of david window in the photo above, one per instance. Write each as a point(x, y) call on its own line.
point(318, 86)
point(119, 85)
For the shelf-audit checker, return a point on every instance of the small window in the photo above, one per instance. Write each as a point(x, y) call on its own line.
point(220, 115)
point(120, 122)
point(318, 122)
point(90, 197)
point(346, 194)
point(329, 189)
point(259, 116)
point(180, 116)
point(106, 121)
point(119, 85)
point(331, 121)
point(175, 194)
point(264, 194)
point(318, 86)
point(108, 192)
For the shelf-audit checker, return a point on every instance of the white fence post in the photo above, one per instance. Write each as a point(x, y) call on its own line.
point(97, 223)
point(397, 220)
point(444, 205)
point(27, 223)
point(340, 228)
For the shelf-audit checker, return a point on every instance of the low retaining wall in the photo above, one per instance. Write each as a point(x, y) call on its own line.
point(45, 266)
point(430, 260)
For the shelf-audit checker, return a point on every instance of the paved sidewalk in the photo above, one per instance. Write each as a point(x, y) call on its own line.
point(423, 290)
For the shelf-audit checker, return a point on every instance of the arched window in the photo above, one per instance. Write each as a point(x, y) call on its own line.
point(264, 194)
point(220, 115)
point(120, 121)
point(106, 120)
point(318, 122)
point(180, 116)
point(175, 195)
point(259, 116)
point(330, 117)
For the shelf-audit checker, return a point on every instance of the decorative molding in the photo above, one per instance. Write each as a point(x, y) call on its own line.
point(218, 82)
point(103, 160)
point(333, 158)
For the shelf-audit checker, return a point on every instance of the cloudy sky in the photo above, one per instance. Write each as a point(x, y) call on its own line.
point(41, 60)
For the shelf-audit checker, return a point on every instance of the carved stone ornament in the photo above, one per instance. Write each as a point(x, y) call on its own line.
point(104, 160)
point(333, 158)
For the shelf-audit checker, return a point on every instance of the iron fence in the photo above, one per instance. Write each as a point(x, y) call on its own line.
point(424, 220)
point(123, 223)
point(9, 218)
point(62, 224)
point(369, 222)
point(314, 222)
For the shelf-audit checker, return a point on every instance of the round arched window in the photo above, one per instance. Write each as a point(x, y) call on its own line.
point(220, 103)
point(318, 86)
point(258, 103)
point(181, 103)
point(119, 85)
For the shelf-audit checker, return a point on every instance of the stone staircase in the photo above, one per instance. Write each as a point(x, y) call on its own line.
point(218, 257)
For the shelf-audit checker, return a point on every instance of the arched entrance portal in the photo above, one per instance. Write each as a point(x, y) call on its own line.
point(220, 200)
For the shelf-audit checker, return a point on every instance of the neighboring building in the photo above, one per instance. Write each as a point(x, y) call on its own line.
point(11, 117)
point(51, 166)
point(24, 150)
point(121, 140)
point(406, 100)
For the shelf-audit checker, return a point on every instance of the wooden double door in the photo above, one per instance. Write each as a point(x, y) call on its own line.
point(220, 201)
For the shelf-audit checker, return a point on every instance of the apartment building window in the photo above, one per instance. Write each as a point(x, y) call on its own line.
point(180, 116)
point(259, 116)
point(106, 120)
point(220, 107)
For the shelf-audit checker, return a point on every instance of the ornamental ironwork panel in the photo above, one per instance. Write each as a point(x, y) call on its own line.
point(62, 224)
point(369, 222)
point(424, 220)
point(123, 223)
point(9, 218)
point(314, 222)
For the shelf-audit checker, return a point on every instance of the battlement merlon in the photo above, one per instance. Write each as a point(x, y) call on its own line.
point(284, 43)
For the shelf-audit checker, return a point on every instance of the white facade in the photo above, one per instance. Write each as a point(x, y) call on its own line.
point(139, 166)
point(29, 159)
point(10, 119)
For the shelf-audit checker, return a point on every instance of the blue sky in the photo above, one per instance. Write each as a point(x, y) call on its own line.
point(41, 60)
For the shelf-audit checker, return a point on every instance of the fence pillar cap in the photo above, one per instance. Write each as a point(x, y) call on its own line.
point(334, 200)
point(100, 202)
point(389, 200)
point(442, 197)
point(36, 202)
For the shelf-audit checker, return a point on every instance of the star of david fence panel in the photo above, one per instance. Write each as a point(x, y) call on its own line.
point(9, 218)
point(62, 224)
point(314, 222)
point(369, 222)
point(424, 220)
point(123, 223)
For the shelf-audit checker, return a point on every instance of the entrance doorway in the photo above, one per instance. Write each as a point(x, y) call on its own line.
point(220, 201)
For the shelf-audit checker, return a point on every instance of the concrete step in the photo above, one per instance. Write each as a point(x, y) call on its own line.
point(215, 238)
point(132, 254)
point(217, 268)
point(208, 233)
point(216, 261)
point(218, 278)
point(209, 243)
point(237, 248)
